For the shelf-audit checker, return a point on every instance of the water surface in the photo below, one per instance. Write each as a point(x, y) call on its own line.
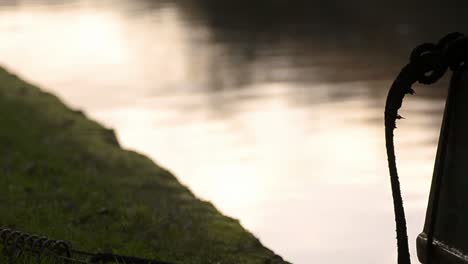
point(277, 121)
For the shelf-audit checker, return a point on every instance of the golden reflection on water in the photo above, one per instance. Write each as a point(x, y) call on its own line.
point(301, 164)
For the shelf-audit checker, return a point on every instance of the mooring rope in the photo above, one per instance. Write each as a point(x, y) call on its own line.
point(428, 63)
point(15, 244)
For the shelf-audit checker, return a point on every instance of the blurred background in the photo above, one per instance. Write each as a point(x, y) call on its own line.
point(271, 109)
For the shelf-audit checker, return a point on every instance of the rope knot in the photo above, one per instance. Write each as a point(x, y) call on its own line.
point(431, 61)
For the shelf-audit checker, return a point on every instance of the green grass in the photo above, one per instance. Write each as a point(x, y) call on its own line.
point(65, 176)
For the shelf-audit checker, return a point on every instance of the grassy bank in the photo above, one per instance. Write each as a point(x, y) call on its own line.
point(65, 176)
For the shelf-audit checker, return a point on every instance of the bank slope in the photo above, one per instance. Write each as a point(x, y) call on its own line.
point(65, 176)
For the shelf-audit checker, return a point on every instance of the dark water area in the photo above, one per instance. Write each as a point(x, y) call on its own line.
point(272, 110)
point(334, 35)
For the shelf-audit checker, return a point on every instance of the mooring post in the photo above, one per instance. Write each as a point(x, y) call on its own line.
point(445, 235)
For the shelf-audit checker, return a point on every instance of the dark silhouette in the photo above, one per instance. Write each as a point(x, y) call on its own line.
point(428, 64)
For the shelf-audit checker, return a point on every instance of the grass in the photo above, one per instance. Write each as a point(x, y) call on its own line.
point(65, 176)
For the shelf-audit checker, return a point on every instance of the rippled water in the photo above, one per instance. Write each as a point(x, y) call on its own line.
point(279, 125)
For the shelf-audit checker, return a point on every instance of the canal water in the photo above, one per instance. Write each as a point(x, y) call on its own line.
point(274, 115)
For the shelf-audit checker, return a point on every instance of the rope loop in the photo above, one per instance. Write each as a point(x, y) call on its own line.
point(421, 50)
point(9, 243)
point(428, 60)
point(19, 244)
point(37, 245)
point(445, 42)
point(457, 53)
point(30, 241)
point(62, 248)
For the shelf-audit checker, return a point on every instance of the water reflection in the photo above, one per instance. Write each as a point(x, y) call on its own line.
point(272, 111)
